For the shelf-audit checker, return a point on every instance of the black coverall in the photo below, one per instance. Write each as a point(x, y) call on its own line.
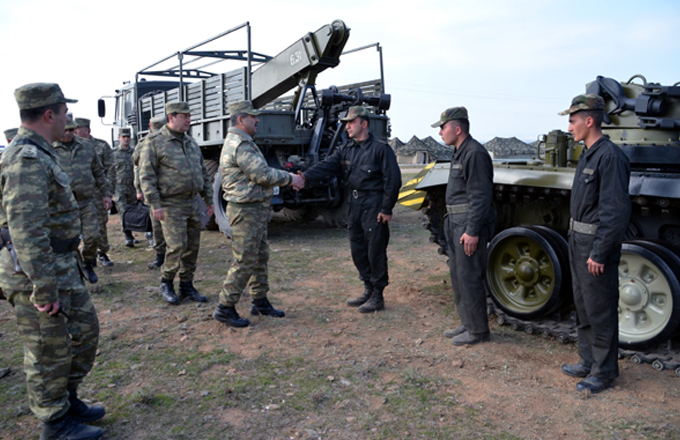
point(599, 196)
point(369, 170)
point(470, 182)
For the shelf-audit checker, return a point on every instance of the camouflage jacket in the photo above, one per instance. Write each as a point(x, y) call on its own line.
point(246, 176)
point(81, 163)
point(105, 153)
point(123, 171)
point(37, 204)
point(135, 162)
point(172, 167)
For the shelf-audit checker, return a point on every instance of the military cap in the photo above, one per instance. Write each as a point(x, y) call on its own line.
point(587, 101)
point(355, 112)
point(451, 114)
point(39, 95)
point(157, 123)
point(177, 107)
point(239, 107)
point(82, 122)
point(125, 131)
point(70, 123)
point(11, 133)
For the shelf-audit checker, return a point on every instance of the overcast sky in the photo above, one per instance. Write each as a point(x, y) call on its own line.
point(513, 64)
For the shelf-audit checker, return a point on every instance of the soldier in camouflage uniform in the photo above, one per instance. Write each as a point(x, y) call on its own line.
point(248, 184)
point(172, 174)
point(125, 180)
point(79, 160)
point(39, 268)
point(155, 124)
point(105, 153)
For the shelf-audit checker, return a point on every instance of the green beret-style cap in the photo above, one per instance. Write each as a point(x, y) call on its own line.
point(157, 122)
point(125, 131)
point(239, 107)
point(587, 101)
point(82, 122)
point(355, 112)
point(177, 107)
point(450, 114)
point(11, 133)
point(39, 95)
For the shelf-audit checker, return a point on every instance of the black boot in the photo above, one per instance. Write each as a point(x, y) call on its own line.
point(104, 260)
point(65, 428)
point(158, 262)
point(81, 412)
point(129, 239)
point(229, 316)
point(186, 288)
point(375, 303)
point(168, 292)
point(91, 277)
point(262, 306)
point(356, 302)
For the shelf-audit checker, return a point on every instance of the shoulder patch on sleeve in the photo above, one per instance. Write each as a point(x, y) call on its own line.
point(29, 152)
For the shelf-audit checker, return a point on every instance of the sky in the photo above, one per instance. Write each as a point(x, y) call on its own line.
point(513, 64)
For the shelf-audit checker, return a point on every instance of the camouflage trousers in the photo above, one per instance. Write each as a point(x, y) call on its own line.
point(158, 237)
point(90, 231)
point(182, 231)
point(250, 252)
point(103, 219)
point(123, 200)
point(57, 354)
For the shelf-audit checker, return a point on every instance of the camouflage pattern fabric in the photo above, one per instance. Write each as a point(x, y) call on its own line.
point(182, 229)
point(105, 153)
point(38, 204)
point(158, 237)
point(250, 250)
point(451, 114)
point(124, 170)
point(587, 101)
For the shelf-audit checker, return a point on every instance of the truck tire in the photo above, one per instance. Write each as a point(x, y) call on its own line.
point(212, 166)
point(220, 207)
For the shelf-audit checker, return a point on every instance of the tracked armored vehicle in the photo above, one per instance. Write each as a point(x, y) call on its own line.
point(528, 276)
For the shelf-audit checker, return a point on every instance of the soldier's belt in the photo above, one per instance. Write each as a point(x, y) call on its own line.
point(583, 228)
point(356, 193)
point(185, 195)
point(458, 209)
point(64, 245)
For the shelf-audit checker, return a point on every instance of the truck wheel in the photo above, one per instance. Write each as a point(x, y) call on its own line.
point(220, 207)
point(337, 217)
point(212, 166)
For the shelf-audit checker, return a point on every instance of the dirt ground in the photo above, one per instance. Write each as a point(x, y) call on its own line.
point(326, 371)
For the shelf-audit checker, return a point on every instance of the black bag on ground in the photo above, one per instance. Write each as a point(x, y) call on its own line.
point(136, 217)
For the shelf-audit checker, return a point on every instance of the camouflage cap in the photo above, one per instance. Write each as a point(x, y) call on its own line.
point(587, 101)
point(11, 133)
point(70, 124)
point(450, 114)
point(239, 107)
point(82, 122)
point(125, 131)
point(157, 122)
point(355, 112)
point(39, 95)
point(177, 107)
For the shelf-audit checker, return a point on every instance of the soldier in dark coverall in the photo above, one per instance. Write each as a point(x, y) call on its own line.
point(468, 225)
point(600, 211)
point(369, 169)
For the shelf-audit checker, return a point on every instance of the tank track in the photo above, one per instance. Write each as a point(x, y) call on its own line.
point(557, 326)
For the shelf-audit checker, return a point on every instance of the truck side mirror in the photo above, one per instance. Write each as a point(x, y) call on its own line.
point(101, 108)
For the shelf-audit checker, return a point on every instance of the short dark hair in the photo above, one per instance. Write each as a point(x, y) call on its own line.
point(234, 118)
point(597, 115)
point(363, 118)
point(34, 114)
point(464, 124)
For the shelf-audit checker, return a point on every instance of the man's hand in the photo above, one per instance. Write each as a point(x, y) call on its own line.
point(594, 268)
point(469, 243)
point(159, 214)
point(52, 308)
point(106, 201)
point(211, 210)
point(383, 218)
point(298, 181)
point(140, 196)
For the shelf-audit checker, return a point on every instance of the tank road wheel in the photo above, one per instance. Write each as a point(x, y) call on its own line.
point(527, 271)
point(649, 295)
point(220, 206)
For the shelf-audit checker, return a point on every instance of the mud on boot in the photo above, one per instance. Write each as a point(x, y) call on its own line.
point(262, 306)
point(375, 303)
point(80, 412)
point(158, 262)
point(356, 302)
point(66, 428)
point(229, 316)
point(186, 288)
point(168, 292)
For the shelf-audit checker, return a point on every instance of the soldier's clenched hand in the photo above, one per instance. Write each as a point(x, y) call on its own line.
point(106, 201)
point(469, 243)
point(52, 308)
point(159, 214)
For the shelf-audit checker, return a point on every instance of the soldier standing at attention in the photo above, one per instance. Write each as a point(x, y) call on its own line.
point(248, 184)
point(155, 124)
point(600, 211)
point(370, 171)
point(40, 275)
point(125, 179)
point(172, 174)
point(78, 159)
point(468, 225)
point(105, 153)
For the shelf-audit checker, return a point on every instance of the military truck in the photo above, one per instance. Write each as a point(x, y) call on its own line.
point(528, 276)
point(295, 132)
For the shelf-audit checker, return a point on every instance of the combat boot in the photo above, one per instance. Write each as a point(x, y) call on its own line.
point(65, 428)
point(229, 316)
point(168, 292)
point(158, 262)
point(262, 306)
point(375, 303)
point(91, 277)
point(80, 412)
point(104, 260)
point(186, 288)
point(356, 302)
point(129, 239)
